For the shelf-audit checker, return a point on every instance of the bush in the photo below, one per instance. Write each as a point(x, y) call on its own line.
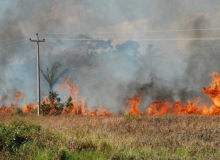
point(23, 140)
point(64, 154)
point(53, 106)
point(15, 134)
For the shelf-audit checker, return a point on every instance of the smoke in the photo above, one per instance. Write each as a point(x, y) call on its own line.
point(107, 72)
point(203, 58)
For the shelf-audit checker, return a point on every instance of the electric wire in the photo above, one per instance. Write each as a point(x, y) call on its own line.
point(156, 31)
point(12, 40)
point(11, 43)
point(143, 39)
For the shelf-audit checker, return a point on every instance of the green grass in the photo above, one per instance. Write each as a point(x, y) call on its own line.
point(120, 137)
point(23, 140)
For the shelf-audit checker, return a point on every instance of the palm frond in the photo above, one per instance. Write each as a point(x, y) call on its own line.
point(45, 76)
point(61, 74)
point(54, 68)
point(49, 74)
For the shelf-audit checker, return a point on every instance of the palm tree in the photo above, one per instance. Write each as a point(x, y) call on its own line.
point(53, 74)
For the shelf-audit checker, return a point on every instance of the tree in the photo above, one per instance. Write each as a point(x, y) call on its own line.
point(53, 74)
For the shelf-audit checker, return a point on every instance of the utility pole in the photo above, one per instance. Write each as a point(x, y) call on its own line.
point(38, 72)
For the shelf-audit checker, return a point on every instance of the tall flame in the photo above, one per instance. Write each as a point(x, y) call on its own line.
point(79, 105)
point(134, 103)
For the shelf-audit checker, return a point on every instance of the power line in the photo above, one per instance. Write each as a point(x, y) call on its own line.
point(143, 39)
point(14, 45)
point(158, 31)
point(11, 40)
point(11, 43)
point(4, 52)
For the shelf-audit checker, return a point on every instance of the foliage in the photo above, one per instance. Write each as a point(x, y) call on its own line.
point(20, 140)
point(52, 75)
point(69, 103)
point(53, 107)
point(116, 137)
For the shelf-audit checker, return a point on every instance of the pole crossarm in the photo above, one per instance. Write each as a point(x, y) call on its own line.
point(38, 72)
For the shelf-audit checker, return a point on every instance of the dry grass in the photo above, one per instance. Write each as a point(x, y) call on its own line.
point(130, 137)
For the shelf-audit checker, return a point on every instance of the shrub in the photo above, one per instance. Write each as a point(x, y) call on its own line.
point(53, 106)
point(16, 133)
point(23, 140)
point(64, 154)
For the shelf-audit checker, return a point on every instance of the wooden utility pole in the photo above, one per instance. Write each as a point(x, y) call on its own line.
point(38, 72)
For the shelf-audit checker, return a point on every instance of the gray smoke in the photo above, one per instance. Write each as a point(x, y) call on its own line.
point(106, 72)
point(203, 59)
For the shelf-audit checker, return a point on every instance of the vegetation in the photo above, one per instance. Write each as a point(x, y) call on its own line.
point(116, 137)
point(23, 140)
point(52, 75)
point(53, 106)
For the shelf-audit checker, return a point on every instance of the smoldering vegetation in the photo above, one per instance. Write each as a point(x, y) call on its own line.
point(106, 73)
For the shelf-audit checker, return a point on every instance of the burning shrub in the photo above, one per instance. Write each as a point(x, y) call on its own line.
point(53, 106)
point(19, 111)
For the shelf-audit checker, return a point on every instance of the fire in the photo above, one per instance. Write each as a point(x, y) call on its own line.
point(105, 113)
point(6, 109)
point(72, 89)
point(17, 97)
point(19, 94)
point(134, 103)
point(212, 91)
point(157, 108)
point(10, 108)
point(78, 105)
point(29, 107)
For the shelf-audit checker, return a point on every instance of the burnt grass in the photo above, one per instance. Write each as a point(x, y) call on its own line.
point(133, 136)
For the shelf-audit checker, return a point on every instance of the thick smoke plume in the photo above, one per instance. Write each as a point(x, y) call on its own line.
point(107, 72)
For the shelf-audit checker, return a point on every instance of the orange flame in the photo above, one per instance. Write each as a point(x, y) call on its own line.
point(29, 107)
point(212, 91)
point(79, 104)
point(19, 94)
point(7, 108)
point(17, 97)
point(134, 103)
point(70, 86)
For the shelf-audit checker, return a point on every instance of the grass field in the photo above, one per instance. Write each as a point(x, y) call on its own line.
point(117, 137)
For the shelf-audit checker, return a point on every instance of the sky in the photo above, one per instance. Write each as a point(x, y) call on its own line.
point(139, 44)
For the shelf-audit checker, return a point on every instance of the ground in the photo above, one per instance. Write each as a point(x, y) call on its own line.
point(168, 136)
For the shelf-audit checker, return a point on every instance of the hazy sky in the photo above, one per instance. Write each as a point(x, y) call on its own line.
point(120, 62)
